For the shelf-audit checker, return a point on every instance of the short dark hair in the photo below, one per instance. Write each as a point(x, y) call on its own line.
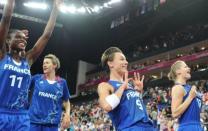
point(108, 55)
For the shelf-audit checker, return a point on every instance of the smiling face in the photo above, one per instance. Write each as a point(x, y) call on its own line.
point(17, 41)
point(119, 63)
point(183, 71)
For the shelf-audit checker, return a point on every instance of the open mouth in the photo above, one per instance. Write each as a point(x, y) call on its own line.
point(45, 68)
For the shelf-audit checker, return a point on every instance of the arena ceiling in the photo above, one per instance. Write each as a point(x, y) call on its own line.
point(86, 36)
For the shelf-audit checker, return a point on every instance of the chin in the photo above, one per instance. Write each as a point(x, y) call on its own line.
point(188, 77)
point(45, 72)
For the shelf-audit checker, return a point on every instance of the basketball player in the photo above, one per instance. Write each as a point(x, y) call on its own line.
point(50, 93)
point(120, 99)
point(15, 74)
point(185, 104)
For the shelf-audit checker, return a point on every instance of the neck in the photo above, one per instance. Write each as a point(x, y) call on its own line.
point(180, 81)
point(116, 76)
point(15, 55)
point(51, 76)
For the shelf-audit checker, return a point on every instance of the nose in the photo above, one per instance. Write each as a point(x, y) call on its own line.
point(126, 62)
point(44, 65)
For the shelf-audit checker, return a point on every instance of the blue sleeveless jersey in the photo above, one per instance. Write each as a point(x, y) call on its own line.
point(47, 100)
point(14, 85)
point(192, 113)
point(130, 111)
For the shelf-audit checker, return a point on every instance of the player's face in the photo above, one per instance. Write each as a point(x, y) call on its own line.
point(184, 71)
point(48, 66)
point(119, 63)
point(18, 41)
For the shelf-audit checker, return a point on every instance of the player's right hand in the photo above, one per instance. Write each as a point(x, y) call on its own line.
point(192, 93)
point(125, 80)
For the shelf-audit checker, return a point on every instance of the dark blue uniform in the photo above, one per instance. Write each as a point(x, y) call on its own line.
point(190, 119)
point(130, 114)
point(46, 106)
point(14, 84)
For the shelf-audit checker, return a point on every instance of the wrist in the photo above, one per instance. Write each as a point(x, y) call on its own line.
point(139, 89)
point(190, 97)
point(123, 87)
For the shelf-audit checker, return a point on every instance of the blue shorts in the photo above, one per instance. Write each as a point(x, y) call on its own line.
point(14, 122)
point(190, 127)
point(41, 127)
point(134, 128)
point(139, 127)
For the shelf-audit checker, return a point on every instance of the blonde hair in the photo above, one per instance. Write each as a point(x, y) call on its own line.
point(175, 66)
point(54, 59)
point(108, 55)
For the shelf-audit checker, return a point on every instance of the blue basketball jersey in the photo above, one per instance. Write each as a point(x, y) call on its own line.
point(47, 100)
point(131, 111)
point(15, 80)
point(192, 113)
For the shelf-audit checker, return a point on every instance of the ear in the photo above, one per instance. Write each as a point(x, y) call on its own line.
point(110, 64)
point(55, 66)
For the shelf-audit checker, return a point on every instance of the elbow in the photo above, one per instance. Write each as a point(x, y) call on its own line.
point(106, 107)
point(175, 115)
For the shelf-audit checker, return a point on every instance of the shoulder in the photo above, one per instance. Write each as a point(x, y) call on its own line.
point(3, 56)
point(178, 89)
point(105, 86)
point(36, 76)
point(60, 79)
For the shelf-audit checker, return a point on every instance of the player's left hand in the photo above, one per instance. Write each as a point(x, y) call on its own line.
point(65, 122)
point(138, 82)
point(26, 32)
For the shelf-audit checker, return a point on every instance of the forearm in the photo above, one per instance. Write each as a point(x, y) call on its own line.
point(67, 107)
point(180, 109)
point(39, 46)
point(51, 23)
point(5, 21)
point(7, 13)
point(120, 91)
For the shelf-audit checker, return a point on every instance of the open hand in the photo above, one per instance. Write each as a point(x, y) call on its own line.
point(138, 82)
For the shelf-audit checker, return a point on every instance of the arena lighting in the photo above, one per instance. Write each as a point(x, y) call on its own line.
point(202, 48)
point(81, 10)
point(63, 8)
point(71, 9)
point(89, 10)
point(36, 5)
point(154, 76)
point(114, 1)
point(106, 5)
point(96, 9)
point(3, 2)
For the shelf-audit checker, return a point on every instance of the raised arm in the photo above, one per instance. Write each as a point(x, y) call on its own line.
point(39, 46)
point(178, 106)
point(4, 25)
